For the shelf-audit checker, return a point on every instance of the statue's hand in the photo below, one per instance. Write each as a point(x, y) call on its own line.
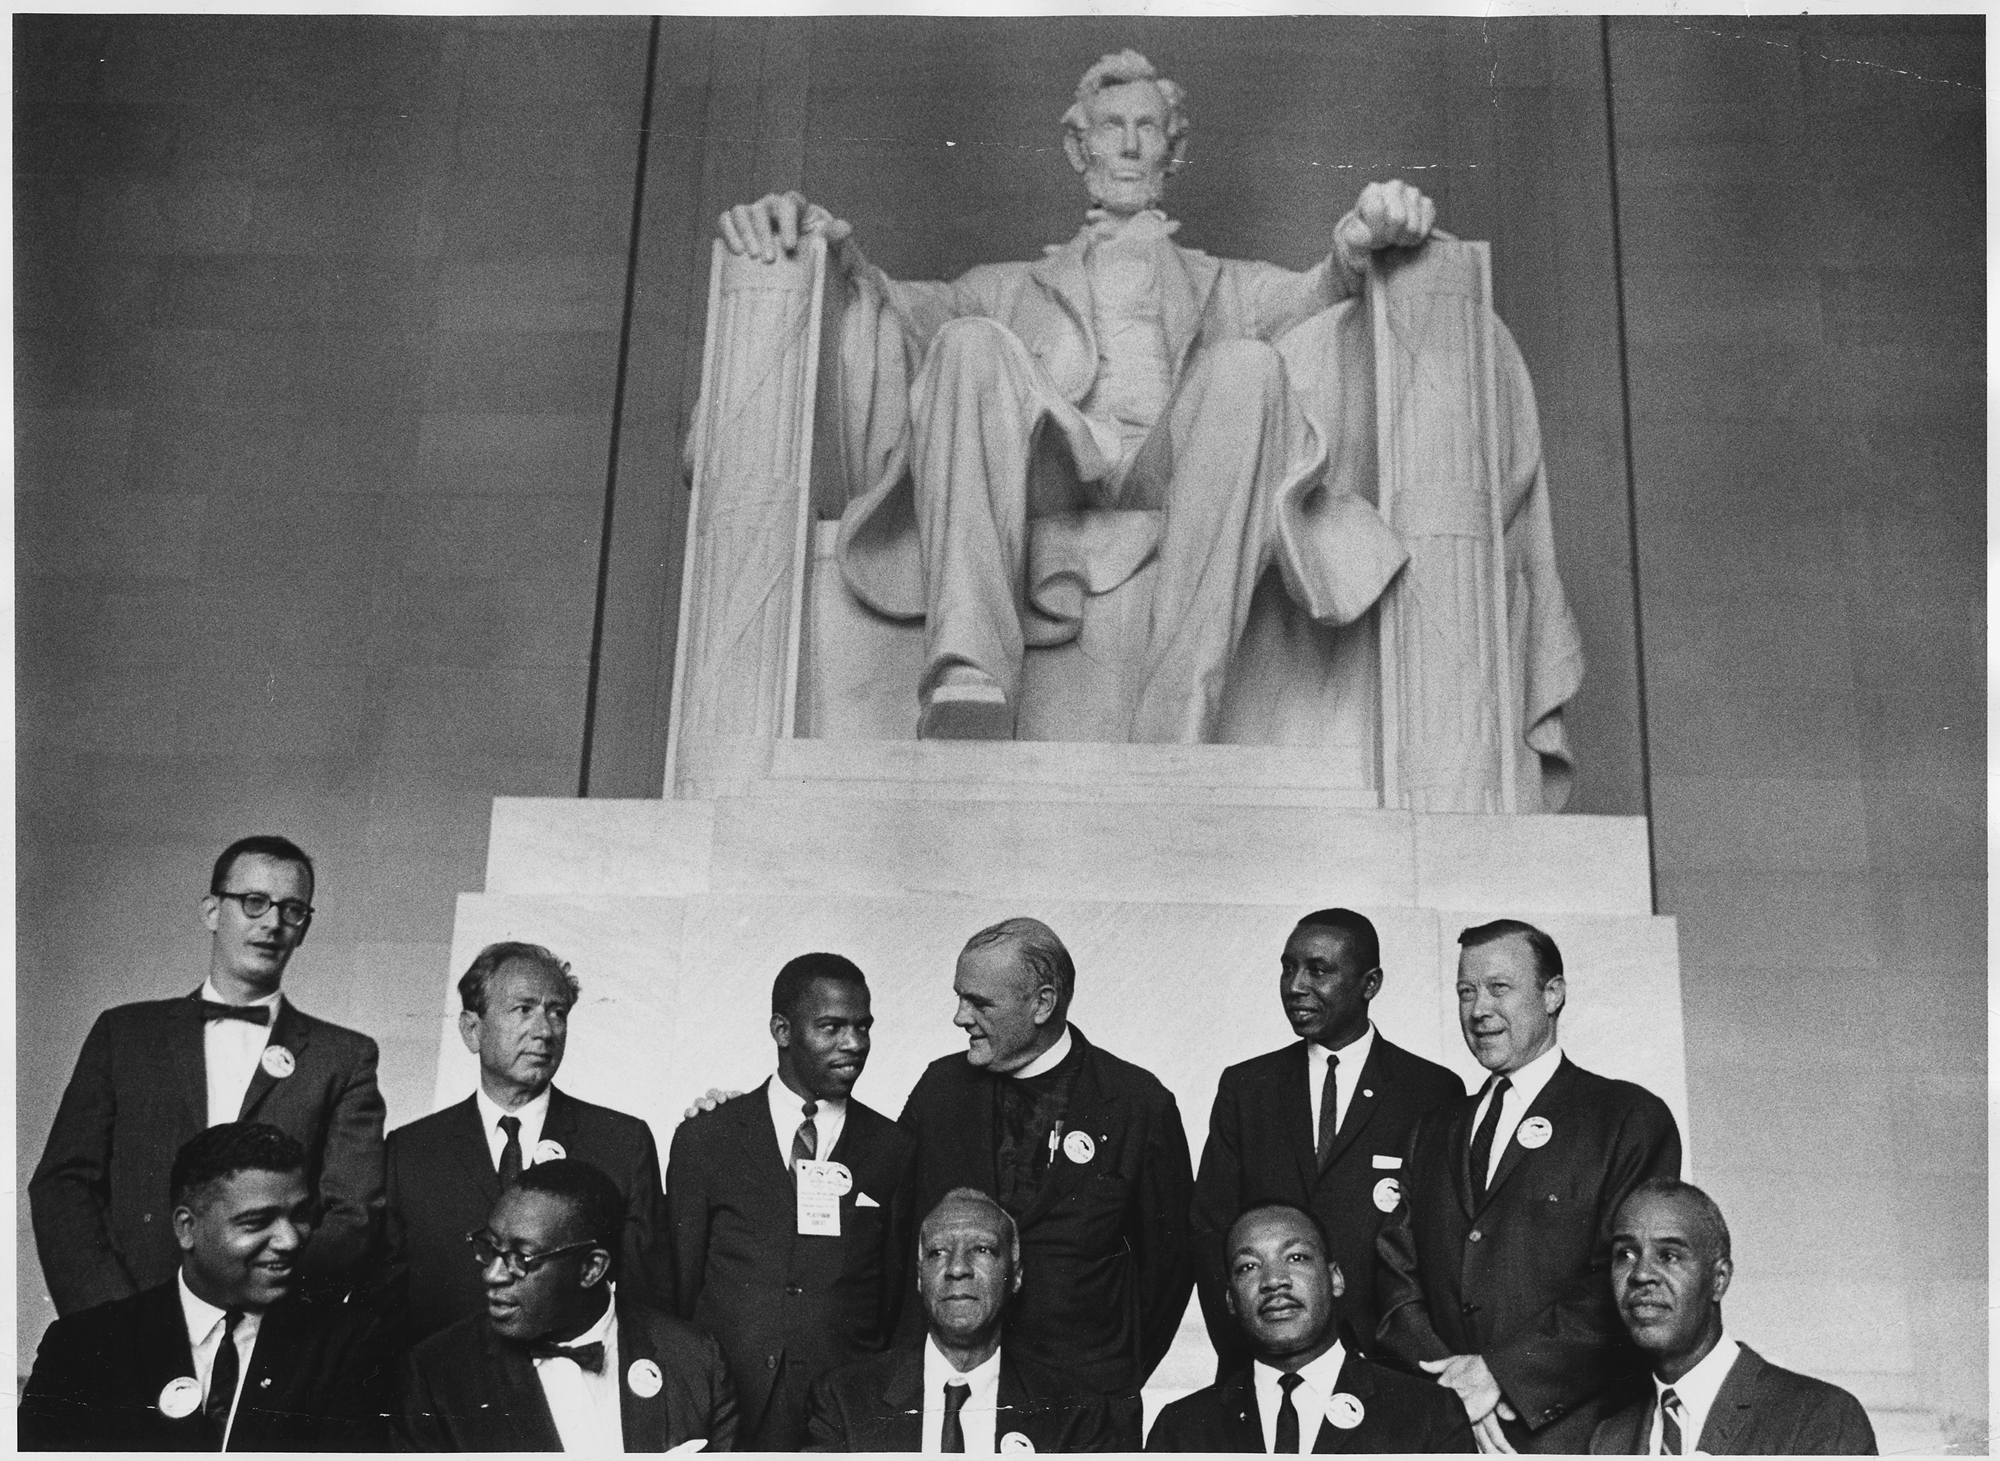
point(777, 221)
point(1391, 215)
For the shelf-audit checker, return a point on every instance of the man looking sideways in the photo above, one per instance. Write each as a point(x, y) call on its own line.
point(1308, 1389)
point(223, 1356)
point(1670, 1267)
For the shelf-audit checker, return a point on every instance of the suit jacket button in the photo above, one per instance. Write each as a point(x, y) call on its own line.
point(1475, 1235)
point(770, 1362)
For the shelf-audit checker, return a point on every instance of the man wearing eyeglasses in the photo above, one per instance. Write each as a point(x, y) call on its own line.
point(155, 1074)
point(558, 1359)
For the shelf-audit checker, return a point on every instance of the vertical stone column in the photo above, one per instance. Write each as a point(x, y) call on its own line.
point(1449, 711)
point(736, 670)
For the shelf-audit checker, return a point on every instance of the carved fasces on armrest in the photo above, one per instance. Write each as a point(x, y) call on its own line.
point(750, 453)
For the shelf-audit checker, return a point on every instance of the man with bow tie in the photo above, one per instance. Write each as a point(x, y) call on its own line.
point(153, 1075)
point(1123, 373)
point(558, 1359)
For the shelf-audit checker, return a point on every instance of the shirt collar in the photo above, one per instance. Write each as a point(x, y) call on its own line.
point(1048, 1060)
point(270, 1002)
point(788, 1106)
point(1321, 1376)
point(598, 1332)
point(1527, 1082)
point(201, 1316)
point(983, 1378)
point(532, 1115)
point(1353, 1055)
point(1698, 1388)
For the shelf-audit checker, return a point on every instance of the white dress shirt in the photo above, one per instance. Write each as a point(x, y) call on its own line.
point(976, 1418)
point(586, 1406)
point(1346, 1075)
point(788, 1110)
point(204, 1329)
point(1318, 1382)
point(1525, 1084)
point(531, 1117)
point(1048, 1060)
point(1696, 1390)
point(230, 1050)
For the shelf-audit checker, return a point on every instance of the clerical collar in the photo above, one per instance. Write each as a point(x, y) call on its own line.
point(1048, 1060)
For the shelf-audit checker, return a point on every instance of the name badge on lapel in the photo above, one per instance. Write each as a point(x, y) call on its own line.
point(821, 1186)
point(278, 1062)
point(549, 1151)
point(644, 1378)
point(1534, 1133)
point(181, 1397)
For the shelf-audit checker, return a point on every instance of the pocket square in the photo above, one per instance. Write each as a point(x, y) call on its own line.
point(1388, 1164)
point(862, 1199)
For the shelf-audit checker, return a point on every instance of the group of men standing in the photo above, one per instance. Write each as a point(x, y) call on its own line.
point(1384, 1262)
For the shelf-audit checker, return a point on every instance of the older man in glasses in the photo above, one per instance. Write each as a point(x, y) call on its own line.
point(153, 1075)
point(559, 1361)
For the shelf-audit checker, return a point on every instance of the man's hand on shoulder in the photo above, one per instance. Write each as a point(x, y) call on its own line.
point(708, 1101)
point(1391, 215)
point(778, 221)
point(1467, 1376)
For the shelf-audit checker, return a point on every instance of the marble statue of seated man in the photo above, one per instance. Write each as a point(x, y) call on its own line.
point(1033, 433)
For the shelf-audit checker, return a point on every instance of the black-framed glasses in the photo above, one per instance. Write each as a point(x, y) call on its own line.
point(486, 1249)
point(292, 912)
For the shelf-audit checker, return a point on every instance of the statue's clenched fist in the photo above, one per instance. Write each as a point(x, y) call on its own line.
point(1391, 215)
point(777, 221)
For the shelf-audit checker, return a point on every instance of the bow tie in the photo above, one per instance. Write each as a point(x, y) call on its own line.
point(587, 1356)
point(254, 1014)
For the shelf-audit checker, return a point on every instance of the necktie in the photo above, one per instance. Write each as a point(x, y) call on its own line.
point(1482, 1139)
point(250, 1014)
point(951, 1440)
point(1329, 1111)
point(510, 1154)
point(1670, 1423)
point(587, 1356)
point(222, 1378)
point(1288, 1417)
point(805, 1141)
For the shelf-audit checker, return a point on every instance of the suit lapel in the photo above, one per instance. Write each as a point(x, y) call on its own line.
point(1732, 1403)
point(1061, 272)
point(1548, 1105)
point(1295, 1120)
point(517, 1392)
point(190, 1057)
point(164, 1355)
point(1461, 1150)
point(560, 1124)
point(1186, 278)
point(1091, 1108)
point(1358, 1380)
point(468, 1148)
point(643, 1418)
point(1361, 1109)
point(290, 1030)
point(903, 1403)
point(1238, 1399)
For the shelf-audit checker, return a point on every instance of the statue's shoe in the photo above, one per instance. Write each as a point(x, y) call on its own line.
point(968, 706)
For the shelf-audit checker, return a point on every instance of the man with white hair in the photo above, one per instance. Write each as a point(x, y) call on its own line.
point(1123, 374)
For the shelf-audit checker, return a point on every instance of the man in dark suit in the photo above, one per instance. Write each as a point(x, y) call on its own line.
point(1495, 1266)
point(1670, 1267)
point(1084, 1150)
point(1319, 1125)
point(447, 1169)
point(555, 1361)
point(223, 1356)
point(789, 1289)
point(1307, 1379)
point(152, 1075)
point(966, 1390)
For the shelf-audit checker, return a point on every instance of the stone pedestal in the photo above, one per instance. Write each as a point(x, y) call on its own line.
point(1174, 874)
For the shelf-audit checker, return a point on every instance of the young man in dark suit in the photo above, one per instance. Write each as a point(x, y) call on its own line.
point(152, 1075)
point(1495, 1271)
point(965, 1391)
point(1306, 1388)
point(790, 1288)
point(447, 1169)
point(1319, 1125)
point(555, 1362)
point(223, 1356)
point(1670, 1267)
point(1084, 1150)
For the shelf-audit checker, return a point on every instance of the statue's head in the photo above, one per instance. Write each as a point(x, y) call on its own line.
point(1126, 132)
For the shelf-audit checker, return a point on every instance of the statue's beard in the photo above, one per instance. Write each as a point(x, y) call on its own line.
point(1122, 195)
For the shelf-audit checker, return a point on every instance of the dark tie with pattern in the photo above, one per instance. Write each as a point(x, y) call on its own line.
point(1670, 1423)
point(510, 1153)
point(1287, 1443)
point(255, 1014)
point(222, 1378)
point(1329, 1111)
point(951, 1440)
point(1482, 1139)
point(805, 1141)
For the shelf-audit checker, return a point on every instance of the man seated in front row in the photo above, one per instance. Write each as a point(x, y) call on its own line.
point(558, 1361)
point(1307, 1385)
point(1670, 1267)
point(223, 1356)
point(963, 1392)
